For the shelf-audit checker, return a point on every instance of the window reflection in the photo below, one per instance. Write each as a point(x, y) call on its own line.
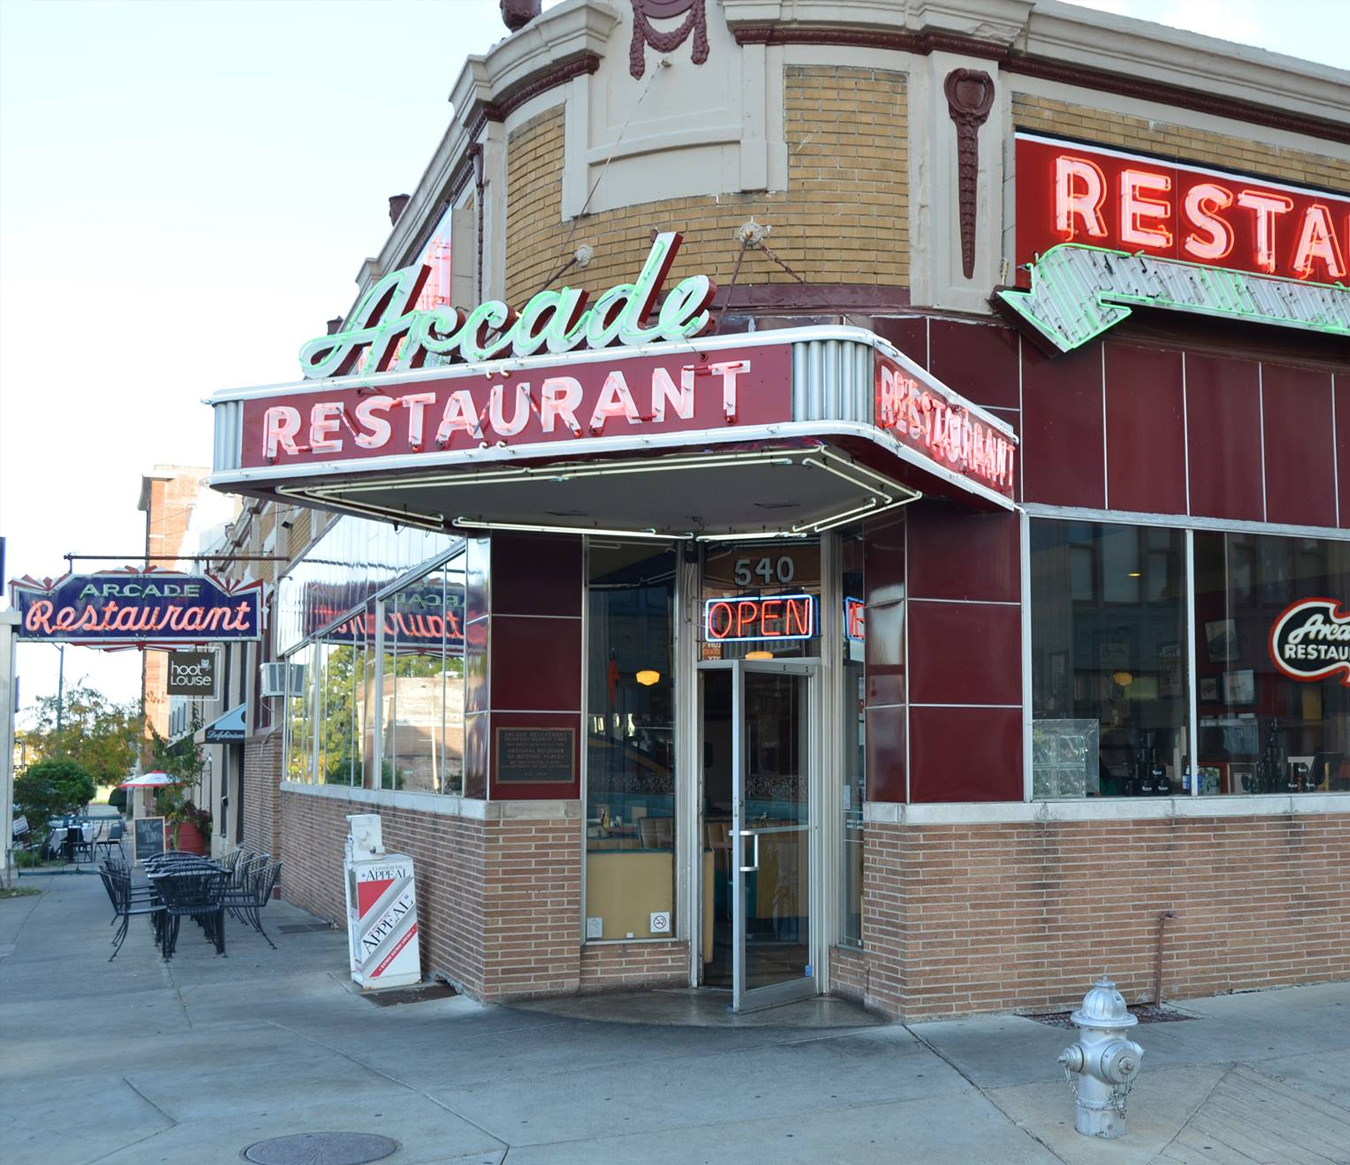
point(343, 569)
point(854, 735)
point(1109, 660)
point(1260, 730)
point(630, 782)
point(424, 683)
point(332, 725)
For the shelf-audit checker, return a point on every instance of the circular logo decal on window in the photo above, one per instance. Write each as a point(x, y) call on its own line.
point(1311, 640)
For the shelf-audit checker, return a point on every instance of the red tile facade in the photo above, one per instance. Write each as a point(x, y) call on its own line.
point(1223, 417)
point(1145, 430)
point(1300, 458)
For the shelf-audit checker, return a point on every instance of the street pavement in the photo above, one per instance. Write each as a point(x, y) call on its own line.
point(139, 1062)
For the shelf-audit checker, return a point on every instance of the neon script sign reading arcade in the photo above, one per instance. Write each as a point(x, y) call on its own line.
point(394, 336)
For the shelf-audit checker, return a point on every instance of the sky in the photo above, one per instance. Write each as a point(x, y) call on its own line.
point(187, 191)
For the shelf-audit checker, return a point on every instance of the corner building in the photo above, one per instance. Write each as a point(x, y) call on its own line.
point(972, 591)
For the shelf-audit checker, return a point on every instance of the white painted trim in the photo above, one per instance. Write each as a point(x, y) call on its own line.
point(442, 804)
point(1182, 521)
point(1105, 809)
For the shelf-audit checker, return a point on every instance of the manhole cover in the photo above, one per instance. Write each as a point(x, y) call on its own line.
point(322, 1149)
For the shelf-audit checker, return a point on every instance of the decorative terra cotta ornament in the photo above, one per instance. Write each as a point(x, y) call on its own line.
point(645, 11)
point(970, 96)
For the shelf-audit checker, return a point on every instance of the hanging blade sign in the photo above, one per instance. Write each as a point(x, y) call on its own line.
point(135, 608)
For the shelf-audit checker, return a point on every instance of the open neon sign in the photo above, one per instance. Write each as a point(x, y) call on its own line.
point(767, 617)
point(1067, 193)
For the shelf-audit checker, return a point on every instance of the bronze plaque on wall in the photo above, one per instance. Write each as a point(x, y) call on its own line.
point(534, 756)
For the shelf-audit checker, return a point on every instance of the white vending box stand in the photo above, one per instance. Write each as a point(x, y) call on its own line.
point(381, 909)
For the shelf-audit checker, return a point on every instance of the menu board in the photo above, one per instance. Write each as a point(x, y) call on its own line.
point(148, 838)
point(535, 755)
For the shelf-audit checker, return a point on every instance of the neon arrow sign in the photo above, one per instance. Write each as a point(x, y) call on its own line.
point(391, 334)
point(1079, 292)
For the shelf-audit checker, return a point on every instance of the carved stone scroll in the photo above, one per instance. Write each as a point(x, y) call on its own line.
point(970, 96)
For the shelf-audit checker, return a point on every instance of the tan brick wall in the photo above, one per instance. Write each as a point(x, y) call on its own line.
point(1192, 145)
point(843, 219)
point(962, 919)
point(499, 902)
point(262, 771)
point(611, 966)
point(848, 973)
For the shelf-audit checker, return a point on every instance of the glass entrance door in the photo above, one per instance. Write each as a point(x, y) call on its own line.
point(759, 751)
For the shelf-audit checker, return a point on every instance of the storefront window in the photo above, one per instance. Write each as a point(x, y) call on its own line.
point(424, 683)
point(630, 756)
point(299, 722)
point(1109, 661)
point(854, 733)
point(332, 722)
point(1267, 726)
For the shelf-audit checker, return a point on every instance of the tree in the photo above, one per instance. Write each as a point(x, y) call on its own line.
point(50, 788)
point(102, 735)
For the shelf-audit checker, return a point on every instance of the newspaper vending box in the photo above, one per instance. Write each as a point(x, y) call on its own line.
point(381, 909)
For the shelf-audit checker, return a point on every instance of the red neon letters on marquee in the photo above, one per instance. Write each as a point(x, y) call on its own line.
point(464, 410)
point(1067, 193)
point(925, 418)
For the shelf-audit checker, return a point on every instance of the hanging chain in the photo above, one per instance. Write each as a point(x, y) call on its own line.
point(1119, 1094)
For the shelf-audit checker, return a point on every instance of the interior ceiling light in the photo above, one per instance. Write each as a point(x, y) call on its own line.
point(648, 676)
point(759, 655)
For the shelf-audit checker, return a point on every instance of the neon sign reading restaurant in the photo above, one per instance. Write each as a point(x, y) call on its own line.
point(1070, 193)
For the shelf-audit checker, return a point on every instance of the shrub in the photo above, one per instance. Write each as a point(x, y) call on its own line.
point(52, 787)
point(118, 799)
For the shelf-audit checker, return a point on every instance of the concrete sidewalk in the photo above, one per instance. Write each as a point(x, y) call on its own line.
point(189, 1062)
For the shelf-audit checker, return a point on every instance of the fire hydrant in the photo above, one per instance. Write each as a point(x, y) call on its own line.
point(1102, 1066)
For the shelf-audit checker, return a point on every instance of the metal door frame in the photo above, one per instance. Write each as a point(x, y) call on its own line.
point(810, 669)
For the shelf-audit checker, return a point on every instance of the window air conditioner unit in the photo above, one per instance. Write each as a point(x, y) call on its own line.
point(274, 679)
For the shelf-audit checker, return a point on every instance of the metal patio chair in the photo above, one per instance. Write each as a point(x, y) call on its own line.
point(197, 894)
point(127, 906)
point(246, 902)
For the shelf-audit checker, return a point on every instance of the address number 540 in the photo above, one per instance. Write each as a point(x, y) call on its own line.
point(769, 570)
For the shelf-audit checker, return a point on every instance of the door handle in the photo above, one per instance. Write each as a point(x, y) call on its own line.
point(755, 866)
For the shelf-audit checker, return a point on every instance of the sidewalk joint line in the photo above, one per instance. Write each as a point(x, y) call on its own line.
point(988, 1098)
point(392, 1079)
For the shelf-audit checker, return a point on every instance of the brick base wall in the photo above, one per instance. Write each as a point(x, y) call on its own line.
point(615, 966)
point(971, 918)
point(848, 973)
point(499, 901)
point(262, 816)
